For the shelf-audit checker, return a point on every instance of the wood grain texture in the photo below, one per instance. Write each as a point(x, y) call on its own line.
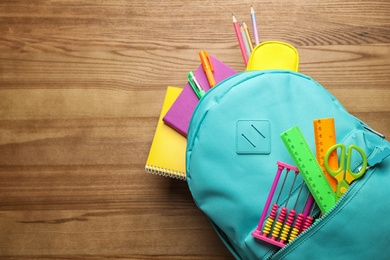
point(81, 87)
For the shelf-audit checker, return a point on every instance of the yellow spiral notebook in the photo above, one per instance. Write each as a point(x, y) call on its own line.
point(168, 149)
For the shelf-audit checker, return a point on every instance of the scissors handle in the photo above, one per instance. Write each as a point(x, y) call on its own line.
point(350, 175)
point(344, 174)
point(335, 172)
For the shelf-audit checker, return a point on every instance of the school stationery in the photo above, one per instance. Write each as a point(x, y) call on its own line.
point(195, 85)
point(254, 26)
point(278, 232)
point(207, 67)
point(234, 144)
point(245, 40)
point(324, 138)
point(167, 152)
point(247, 36)
point(179, 115)
point(307, 164)
point(240, 40)
point(345, 174)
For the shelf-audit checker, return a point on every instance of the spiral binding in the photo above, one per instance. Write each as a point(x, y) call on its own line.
point(165, 172)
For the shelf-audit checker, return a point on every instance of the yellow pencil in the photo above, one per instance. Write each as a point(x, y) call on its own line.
point(247, 35)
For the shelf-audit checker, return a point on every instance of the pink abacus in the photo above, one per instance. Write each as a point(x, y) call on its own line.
point(284, 229)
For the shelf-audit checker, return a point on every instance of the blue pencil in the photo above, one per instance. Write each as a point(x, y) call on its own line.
point(254, 26)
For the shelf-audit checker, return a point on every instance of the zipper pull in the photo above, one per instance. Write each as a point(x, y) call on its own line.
point(379, 157)
point(373, 131)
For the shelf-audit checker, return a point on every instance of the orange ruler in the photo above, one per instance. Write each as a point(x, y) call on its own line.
point(325, 137)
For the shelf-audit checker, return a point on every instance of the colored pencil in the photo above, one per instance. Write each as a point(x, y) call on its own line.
point(254, 26)
point(247, 36)
point(240, 40)
point(245, 40)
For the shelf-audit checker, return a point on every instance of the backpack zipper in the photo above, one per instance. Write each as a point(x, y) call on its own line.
point(319, 220)
point(314, 225)
point(372, 130)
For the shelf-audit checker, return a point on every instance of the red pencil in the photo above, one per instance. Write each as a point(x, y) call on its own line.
point(240, 40)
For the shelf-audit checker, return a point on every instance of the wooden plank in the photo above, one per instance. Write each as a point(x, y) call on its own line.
point(81, 87)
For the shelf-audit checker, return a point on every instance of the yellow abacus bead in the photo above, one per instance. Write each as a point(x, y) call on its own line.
point(276, 231)
point(293, 235)
point(268, 226)
point(285, 231)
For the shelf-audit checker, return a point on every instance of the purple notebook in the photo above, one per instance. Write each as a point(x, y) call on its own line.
point(179, 115)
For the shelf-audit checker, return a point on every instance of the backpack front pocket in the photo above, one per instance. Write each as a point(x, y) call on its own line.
point(353, 228)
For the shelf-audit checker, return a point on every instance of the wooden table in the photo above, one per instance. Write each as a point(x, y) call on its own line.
point(81, 87)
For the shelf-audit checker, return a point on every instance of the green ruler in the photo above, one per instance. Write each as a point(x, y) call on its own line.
point(309, 168)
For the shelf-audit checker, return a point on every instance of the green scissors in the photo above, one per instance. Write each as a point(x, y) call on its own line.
point(344, 174)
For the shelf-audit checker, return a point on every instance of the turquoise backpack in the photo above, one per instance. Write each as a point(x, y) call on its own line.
point(230, 179)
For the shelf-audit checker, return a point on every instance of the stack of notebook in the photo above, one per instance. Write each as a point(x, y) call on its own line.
point(167, 153)
point(168, 149)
